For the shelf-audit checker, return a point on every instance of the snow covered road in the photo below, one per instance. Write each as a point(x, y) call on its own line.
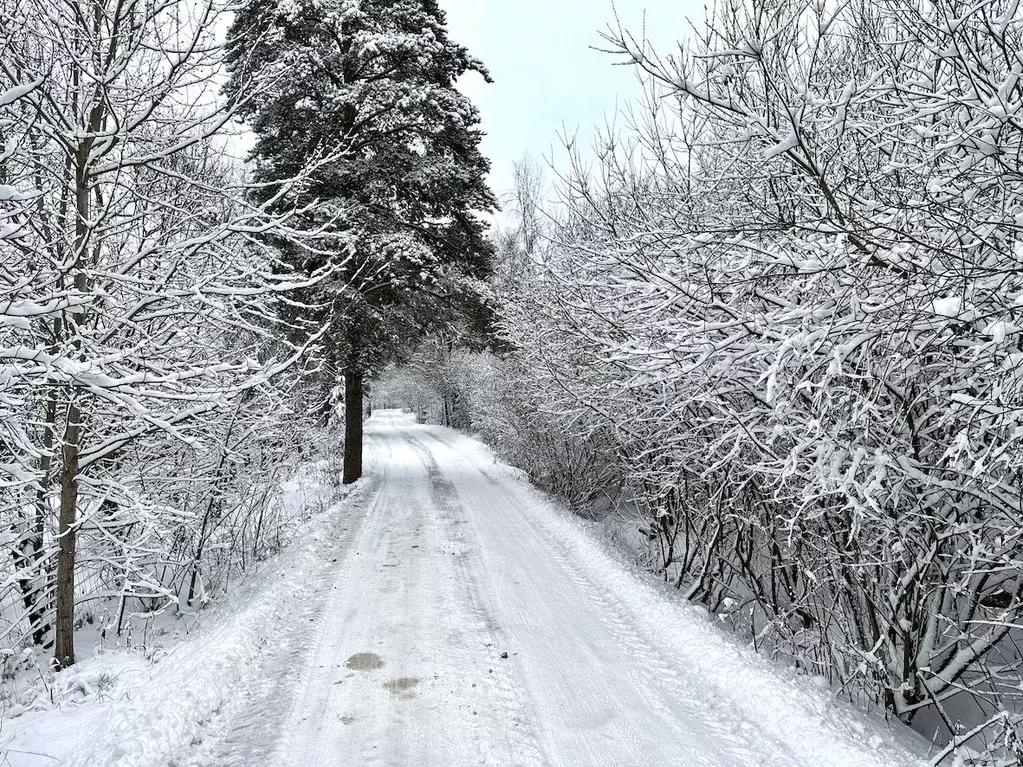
point(456, 562)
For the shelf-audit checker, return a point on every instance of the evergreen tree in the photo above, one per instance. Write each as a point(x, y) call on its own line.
point(360, 95)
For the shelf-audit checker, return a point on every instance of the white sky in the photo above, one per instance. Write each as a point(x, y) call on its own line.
point(547, 77)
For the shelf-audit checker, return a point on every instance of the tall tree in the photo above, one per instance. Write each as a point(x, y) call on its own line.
point(128, 307)
point(370, 84)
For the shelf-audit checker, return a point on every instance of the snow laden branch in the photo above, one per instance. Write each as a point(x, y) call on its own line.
point(139, 331)
point(781, 320)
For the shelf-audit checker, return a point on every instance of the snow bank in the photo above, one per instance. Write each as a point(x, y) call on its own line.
point(804, 713)
point(166, 709)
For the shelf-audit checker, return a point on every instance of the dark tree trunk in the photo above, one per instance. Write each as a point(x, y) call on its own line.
point(353, 427)
point(64, 625)
point(64, 652)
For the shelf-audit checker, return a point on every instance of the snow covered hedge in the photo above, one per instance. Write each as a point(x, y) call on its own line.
point(787, 309)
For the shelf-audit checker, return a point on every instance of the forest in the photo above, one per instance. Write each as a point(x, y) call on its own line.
point(766, 332)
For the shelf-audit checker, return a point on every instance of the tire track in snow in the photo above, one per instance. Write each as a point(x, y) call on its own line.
point(403, 595)
point(656, 681)
point(783, 718)
point(661, 680)
point(523, 744)
point(248, 735)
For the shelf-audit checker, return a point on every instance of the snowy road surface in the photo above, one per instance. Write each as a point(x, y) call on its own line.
point(454, 562)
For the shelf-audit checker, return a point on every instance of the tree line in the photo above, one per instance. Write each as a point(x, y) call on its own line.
point(175, 325)
point(778, 319)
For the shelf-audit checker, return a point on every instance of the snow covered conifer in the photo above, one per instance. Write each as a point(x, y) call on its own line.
point(363, 91)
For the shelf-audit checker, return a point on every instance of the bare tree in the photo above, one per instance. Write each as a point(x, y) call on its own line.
point(141, 254)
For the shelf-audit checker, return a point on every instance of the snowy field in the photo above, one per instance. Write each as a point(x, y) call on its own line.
point(445, 613)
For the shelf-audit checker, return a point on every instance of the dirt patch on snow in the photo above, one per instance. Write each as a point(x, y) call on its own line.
point(402, 685)
point(365, 661)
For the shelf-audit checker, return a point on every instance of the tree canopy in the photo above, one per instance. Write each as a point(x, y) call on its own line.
point(363, 94)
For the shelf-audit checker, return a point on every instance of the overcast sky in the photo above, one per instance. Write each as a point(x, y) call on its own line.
point(547, 77)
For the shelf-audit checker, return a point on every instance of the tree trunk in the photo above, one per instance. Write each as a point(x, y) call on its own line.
point(353, 427)
point(31, 571)
point(64, 651)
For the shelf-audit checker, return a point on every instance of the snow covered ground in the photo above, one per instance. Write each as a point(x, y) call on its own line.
point(448, 615)
point(115, 708)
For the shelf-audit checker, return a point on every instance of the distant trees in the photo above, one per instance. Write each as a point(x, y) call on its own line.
point(371, 86)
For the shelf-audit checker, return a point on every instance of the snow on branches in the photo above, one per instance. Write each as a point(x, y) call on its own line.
point(139, 352)
point(789, 301)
